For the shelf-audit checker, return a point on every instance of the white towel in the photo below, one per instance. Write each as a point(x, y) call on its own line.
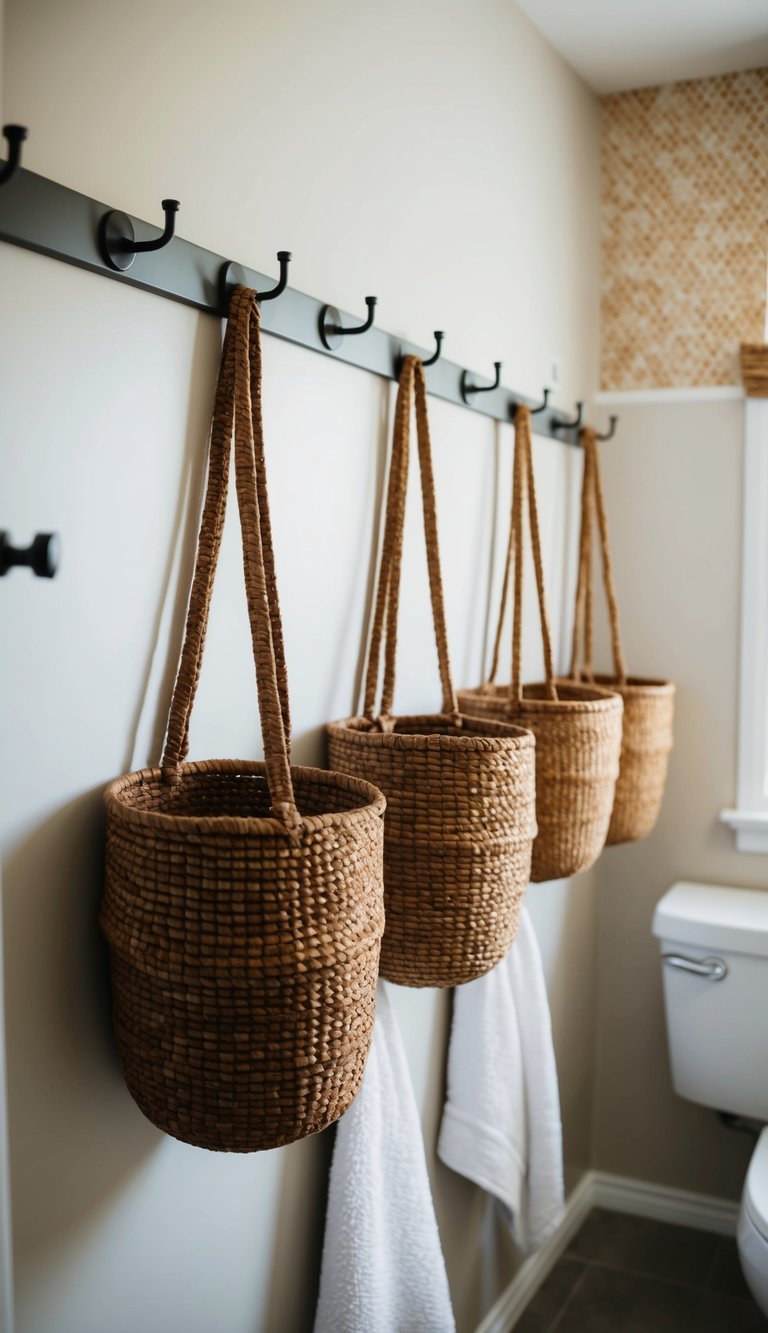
point(383, 1269)
point(501, 1124)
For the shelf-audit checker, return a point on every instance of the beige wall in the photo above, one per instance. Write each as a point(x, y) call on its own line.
point(685, 230)
point(673, 479)
point(449, 165)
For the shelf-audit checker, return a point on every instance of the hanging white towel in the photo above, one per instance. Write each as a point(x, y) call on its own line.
point(501, 1124)
point(383, 1269)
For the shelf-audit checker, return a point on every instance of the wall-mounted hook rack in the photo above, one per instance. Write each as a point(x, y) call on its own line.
point(14, 137)
point(118, 242)
point(41, 215)
point(332, 331)
point(41, 556)
point(467, 388)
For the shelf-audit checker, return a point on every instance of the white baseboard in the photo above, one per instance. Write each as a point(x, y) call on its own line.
point(620, 1194)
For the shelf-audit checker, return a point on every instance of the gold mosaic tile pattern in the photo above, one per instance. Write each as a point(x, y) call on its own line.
point(685, 230)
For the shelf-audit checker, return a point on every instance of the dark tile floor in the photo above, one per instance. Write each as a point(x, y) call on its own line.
point(625, 1274)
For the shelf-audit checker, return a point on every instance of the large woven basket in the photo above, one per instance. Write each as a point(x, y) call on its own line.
point(244, 903)
point(648, 704)
point(577, 727)
point(460, 791)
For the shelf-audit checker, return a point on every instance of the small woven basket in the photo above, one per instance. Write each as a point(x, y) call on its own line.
point(243, 905)
point(577, 727)
point(649, 705)
point(460, 791)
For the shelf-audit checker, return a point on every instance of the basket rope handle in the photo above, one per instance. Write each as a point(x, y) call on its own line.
point(412, 389)
point(523, 487)
point(583, 611)
point(238, 406)
point(584, 607)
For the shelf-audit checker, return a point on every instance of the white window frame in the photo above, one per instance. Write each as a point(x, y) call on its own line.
point(749, 819)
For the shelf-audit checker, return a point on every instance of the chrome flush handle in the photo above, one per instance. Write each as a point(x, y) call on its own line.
point(714, 969)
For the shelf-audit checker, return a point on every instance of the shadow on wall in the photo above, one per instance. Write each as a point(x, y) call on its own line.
point(59, 1031)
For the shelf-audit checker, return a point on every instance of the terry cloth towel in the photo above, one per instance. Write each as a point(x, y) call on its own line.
point(501, 1124)
point(383, 1269)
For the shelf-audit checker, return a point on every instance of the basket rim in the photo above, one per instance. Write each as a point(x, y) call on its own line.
point(519, 738)
point(374, 800)
point(641, 684)
point(593, 700)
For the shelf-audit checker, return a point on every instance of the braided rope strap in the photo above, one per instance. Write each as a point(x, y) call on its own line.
point(523, 488)
point(593, 506)
point(412, 393)
point(238, 408)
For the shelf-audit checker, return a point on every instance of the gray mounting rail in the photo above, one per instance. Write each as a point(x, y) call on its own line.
point(39, 214)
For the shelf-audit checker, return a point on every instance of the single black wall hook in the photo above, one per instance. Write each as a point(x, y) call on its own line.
point(119, 246)
point(427, 360)
point(233, 275)
point(558, 424)
point(14, 137)
point(41, 556)
point(430, 361)
point(610, 432)
point(534, 410)
point(332, 330)
point(467, 388)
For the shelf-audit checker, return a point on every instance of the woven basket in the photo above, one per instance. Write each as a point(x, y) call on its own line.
point(577, 727)
point(648, 704)
point(460, 791)
point(244, 903)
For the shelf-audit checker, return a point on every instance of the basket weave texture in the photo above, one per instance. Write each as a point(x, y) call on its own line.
point(460, 791)
point(649, 705)
point(577, 727)
point(243, 905)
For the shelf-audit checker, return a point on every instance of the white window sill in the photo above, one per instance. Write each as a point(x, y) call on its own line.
point(750, 827)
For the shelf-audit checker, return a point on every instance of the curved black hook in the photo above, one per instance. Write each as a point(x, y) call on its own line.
point(332, 330)
point(569, 425)
point(14, 137)
point(118, 243)
point(610, 432)
point(534, 410)
point(467, 388)
point(430, 360)
point(232, 275)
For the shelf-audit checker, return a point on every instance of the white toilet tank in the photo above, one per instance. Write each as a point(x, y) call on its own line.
point(714, 948)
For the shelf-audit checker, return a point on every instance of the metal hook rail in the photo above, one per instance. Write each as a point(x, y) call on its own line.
point(41, 215)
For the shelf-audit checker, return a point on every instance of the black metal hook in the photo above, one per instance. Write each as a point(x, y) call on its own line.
point(467, 388)
point(534, 410)
point(610, 432)
point(41, 556)
point(427, 360)
point(233, 275)
point(118, 243)
point(332, 330)
point(430, 360)
point(14, 137)
point(569, 425)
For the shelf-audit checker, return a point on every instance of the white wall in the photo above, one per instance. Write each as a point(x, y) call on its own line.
point(466, 196)
point(673, 481)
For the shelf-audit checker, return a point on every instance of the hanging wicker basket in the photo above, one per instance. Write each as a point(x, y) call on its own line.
point(577, 727)
point(648, 704)
point(243, 905)
point(460, 791)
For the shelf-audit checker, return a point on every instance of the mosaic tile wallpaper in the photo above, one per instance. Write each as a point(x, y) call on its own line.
point(685, 231)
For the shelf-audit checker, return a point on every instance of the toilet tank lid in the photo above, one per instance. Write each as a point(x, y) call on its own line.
point(714, 916)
